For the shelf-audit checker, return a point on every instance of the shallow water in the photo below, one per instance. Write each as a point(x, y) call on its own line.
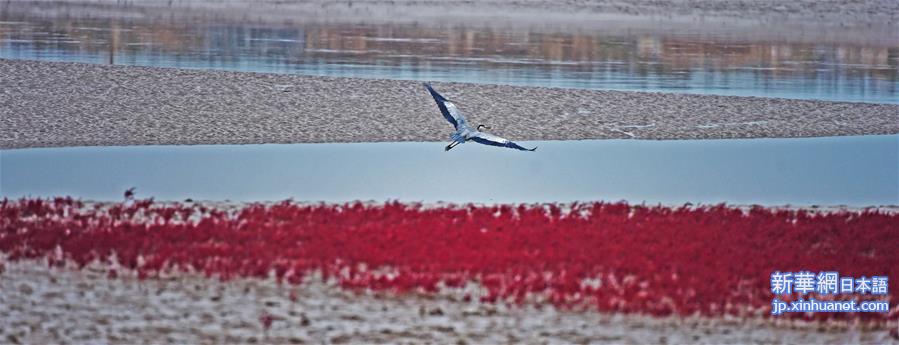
point(683, 61)
point(856, 171)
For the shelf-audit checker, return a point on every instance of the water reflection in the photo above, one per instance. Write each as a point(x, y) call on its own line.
point(676, 61)
point(859, 171)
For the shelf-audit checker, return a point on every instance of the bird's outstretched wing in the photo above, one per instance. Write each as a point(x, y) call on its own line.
point(490, 139)
point(449, 110)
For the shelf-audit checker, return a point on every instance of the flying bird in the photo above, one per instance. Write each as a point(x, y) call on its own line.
point(463, 131)
point(129, 194)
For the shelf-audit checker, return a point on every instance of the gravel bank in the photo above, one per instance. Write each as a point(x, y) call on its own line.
point(42, 305)
point(69, 104)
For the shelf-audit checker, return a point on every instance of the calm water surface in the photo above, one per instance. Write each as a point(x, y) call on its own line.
point(686, 61)
point(857, 171)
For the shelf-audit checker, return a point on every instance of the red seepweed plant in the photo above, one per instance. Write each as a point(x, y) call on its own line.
point(709, 260)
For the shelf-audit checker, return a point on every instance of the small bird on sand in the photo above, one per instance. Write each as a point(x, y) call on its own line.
point(463, 131)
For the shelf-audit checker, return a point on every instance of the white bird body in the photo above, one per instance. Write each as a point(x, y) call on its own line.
point(464, 132)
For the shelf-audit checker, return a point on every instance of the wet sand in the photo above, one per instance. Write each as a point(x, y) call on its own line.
point(46, 104)
point(42, 305)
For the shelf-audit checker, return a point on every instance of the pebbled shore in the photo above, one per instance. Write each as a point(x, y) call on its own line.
point(65, 305)
point(45, 104)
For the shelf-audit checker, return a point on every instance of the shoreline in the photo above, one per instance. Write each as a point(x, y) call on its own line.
point(54, 104)
point(871, 22)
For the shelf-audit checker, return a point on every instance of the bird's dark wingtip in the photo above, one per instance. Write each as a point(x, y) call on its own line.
point(533, 149)
point(438, 97)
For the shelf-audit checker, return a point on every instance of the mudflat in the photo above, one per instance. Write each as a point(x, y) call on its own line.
point(45, 104)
